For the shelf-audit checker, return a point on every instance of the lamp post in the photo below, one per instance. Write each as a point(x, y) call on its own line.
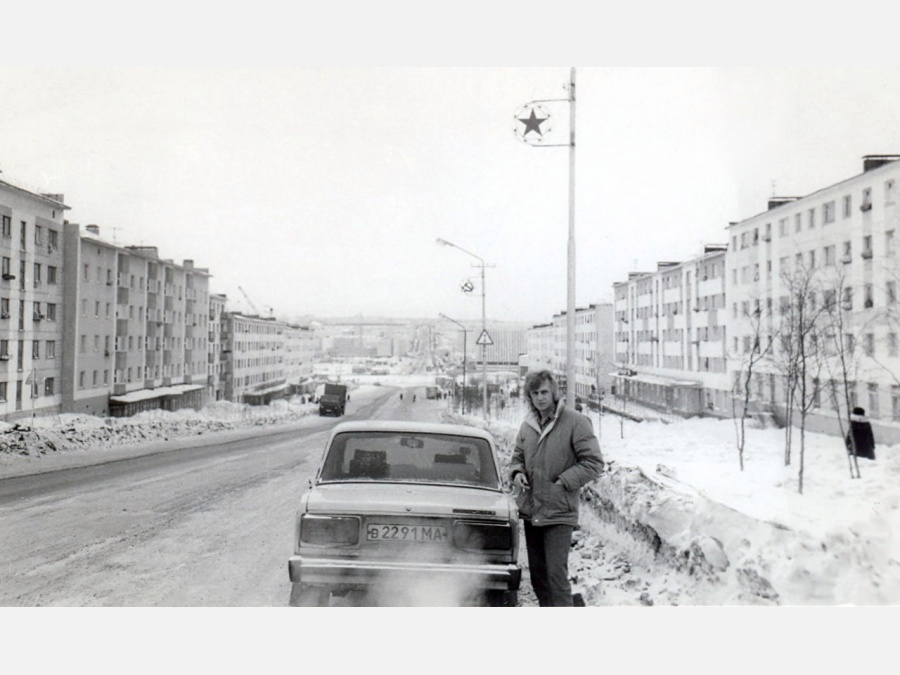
point(465, 353)
point(482, 265)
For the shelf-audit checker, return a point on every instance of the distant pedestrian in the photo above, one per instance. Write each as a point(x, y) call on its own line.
point(556, 454)
point(861, 433)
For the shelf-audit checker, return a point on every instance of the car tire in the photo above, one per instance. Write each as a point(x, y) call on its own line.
point(501, 598)
point(304, 595)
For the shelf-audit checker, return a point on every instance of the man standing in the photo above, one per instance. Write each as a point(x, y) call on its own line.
point(556, 454)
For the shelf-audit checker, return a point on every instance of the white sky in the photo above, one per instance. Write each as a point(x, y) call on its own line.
point(322, 191)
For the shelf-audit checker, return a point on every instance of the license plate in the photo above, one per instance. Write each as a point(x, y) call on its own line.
point(426, 533)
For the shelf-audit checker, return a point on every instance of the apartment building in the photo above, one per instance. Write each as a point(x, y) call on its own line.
point(89, 320)
point(842, 241)
point(299, 353)
point(594, 349)
point(31, 301)
point(255, 351)
point(215, 385)
point(670, 336)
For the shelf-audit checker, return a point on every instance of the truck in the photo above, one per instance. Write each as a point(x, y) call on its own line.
point(432, 392)
point(333, 400)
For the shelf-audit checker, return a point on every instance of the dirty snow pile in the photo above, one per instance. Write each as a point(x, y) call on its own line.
point(674, 520)
point(54, 433)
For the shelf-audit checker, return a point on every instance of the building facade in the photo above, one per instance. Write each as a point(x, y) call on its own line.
point(670, 336)
point(31, 301)
point(831, 255)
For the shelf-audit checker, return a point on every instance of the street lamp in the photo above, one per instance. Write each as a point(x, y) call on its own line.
point(482, 265)
point(465, 352)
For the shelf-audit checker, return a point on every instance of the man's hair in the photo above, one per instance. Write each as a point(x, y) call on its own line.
point(533, 382)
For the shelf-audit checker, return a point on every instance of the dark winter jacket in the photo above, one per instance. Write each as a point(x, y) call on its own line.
point(566, 451)
point(862, 435)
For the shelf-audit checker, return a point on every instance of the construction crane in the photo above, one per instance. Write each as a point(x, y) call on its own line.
point(252, 306)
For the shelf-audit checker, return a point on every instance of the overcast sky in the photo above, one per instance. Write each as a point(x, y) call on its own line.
point(323, 191)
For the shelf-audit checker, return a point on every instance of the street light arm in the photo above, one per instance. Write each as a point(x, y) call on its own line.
point(444, 242)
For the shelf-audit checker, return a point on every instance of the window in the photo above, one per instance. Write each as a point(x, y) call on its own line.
point(848, 206)
point(7, 228)
point(889, 242)
point(828, 213)
point(49, 386)
point(83, 343)
point(83, 307)
point(5, 267)
point(81, 379)
point(829, 255)
point(86, 274)
point(38, 234)
point(867, 246)
point(798, 222)
point(849, 343)
point(37, 274)
point(35, 349)
point(50, 349)
point(812, 259)
point(812, 219)
point(869, 344)
point(868, 296)
point(782, 227)
point(54, 239)
point(51, 311)
point(848, 252)
point(866, 200)
point(51, 274)
point(96, 308)
point(2, 391)
point(891, 292)
point(23, 239)
point(4, 348)
point(848, 297)
point(893, 344)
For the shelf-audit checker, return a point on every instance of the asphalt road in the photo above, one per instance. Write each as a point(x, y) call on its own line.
point(206, 526)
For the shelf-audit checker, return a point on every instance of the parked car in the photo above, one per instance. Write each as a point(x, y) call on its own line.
point(406, 512)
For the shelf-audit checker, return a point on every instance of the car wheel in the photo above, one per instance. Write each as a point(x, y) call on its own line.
point(304, 595)
point(501, 598)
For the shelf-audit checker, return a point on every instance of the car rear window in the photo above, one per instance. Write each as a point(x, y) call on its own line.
point(410, 458)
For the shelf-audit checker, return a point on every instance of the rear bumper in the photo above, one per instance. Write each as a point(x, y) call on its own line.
point(337, 573)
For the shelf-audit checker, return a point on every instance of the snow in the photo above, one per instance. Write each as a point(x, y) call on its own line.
point(725, 537)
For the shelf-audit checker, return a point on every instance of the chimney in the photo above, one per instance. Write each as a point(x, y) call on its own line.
point(775, 202)
point(93, 229)
point(874, 161)
point(188, 264)
point(55, 196)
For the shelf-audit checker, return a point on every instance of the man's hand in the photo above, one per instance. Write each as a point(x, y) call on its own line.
point(521, 481)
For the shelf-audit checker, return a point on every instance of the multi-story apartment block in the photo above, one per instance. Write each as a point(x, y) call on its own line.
point(31, 301)
point(255, 346)
point(594, 351)
point(541, 347)
point(670, 336)
point(215, 386)
point(839, 244)
point(299, 354)
point(89, 317)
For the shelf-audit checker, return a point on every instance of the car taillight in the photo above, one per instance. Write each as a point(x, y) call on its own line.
point(329, 530)
point(483, 536)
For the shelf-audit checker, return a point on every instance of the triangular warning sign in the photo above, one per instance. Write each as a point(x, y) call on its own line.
point(484, 338)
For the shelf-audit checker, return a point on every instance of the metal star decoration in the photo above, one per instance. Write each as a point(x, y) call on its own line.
point(532, 123)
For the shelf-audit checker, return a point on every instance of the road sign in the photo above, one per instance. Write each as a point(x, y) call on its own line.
point(484, 338)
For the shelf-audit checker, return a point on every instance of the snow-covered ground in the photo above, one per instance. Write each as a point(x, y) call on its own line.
point(673, 522)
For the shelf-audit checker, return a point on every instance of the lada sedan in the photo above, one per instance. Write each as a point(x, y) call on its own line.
point(406, 513)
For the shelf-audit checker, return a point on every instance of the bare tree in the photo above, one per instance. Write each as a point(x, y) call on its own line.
point(757, 346)
point(842, 359)
point(800, 355)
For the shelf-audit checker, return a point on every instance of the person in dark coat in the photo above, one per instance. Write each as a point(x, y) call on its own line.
point(556, 454)
point(863, 437)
